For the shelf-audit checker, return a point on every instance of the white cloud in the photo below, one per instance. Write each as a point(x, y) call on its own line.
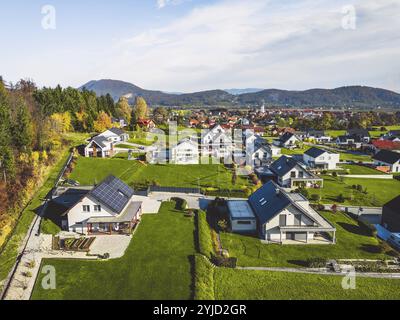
point(260, 43)
point(163, 3)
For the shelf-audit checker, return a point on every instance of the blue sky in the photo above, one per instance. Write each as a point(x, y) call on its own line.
point(193, 45)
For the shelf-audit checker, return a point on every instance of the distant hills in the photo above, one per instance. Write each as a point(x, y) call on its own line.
point(356, 96)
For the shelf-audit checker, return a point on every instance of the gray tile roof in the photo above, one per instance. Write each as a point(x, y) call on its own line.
point(387, 156)
point(268, 201)
point(100, 141)
point(314, 152)
point(283, 165)
point(117, 131)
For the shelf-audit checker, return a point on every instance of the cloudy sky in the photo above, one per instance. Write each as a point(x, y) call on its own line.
point(193, 45)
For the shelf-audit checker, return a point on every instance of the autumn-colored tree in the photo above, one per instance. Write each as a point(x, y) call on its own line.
point(62, 122)
point(141, 108)
point(123, 109)
point(103, 122)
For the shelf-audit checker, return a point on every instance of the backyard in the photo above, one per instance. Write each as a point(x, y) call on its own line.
point(353, 242)
point(231, 284)
point(91, 170)
point(156, 265)
point(376, 192)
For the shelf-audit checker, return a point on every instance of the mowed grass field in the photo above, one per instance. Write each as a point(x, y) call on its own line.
point(156, 265)
point(379, 191)
point(360, 170)
point(93, 170)
point(353, 242)
point(233, 284)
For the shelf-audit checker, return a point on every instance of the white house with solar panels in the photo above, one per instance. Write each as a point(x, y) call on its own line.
point(108, 208)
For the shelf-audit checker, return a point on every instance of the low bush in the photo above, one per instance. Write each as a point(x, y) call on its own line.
point(203, 279)
point(181, 204)
point(316, 263)
point(224, 262)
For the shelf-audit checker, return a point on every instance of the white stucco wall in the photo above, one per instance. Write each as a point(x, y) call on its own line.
point(77, 215)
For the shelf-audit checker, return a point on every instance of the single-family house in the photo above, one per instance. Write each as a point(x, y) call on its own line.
point(389, 159)
point(316, 158)
point(287, 140)
point(107, 208)
point(360, 135)
point(102, 145)
point(318, 136)
point(146, 123)
point(185, 152)
point(119, 122)
point(289, 173)
point(217, 142)
point(287, 218)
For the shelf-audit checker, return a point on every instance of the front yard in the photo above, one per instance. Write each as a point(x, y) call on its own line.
point(156, 265)
point(93, 170)
point(353, 242)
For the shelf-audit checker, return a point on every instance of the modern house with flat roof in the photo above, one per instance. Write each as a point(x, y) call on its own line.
point(242, 217)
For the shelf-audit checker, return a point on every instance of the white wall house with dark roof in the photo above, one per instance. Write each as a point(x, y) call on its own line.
point(242, 217)
point(316, 158)
point(102, 145)
point(284, 217)
point(390, 159)
point(108, 208)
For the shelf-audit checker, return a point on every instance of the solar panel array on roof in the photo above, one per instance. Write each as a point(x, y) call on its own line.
point(113, 193)
point(240, 210)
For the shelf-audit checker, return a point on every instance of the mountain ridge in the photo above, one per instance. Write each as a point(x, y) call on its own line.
point(357, 96)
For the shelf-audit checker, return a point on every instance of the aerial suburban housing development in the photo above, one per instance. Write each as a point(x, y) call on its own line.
point(252, 153)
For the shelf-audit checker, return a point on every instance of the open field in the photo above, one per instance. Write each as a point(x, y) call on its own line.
point(353, 242)
point(156, 265)
point(231, 284)
point(379, 191)
point(140, 138)
point(91, 170)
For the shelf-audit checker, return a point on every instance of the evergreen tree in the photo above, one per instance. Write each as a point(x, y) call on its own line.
point(22, 130)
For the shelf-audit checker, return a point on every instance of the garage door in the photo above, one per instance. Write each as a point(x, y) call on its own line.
point(300, 236)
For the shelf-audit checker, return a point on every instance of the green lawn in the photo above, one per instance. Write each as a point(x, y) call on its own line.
point(379, 191)
point(353, 242)
point(141, 138)
point(91, 170)
point(345, 156)
point(360, 170)
point(157, 265)
point(233, 284)
point(335, 133)
point(295, 151)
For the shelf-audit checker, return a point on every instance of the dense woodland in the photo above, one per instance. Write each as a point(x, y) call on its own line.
point(33, 123)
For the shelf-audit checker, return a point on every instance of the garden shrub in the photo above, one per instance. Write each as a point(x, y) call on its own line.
point(224, 262)
point(203, 279)
point(316, 263)
point(181, 204)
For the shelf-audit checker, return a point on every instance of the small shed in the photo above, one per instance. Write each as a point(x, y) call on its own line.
point(242, 217)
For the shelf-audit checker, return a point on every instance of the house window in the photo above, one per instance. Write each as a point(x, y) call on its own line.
point(86, 208)
point(301, 174)
point(97, 208)
point(244, 222)
point(293, 174)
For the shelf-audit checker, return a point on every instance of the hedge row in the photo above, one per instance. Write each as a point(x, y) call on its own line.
point(203, 279)
point(204, 235)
